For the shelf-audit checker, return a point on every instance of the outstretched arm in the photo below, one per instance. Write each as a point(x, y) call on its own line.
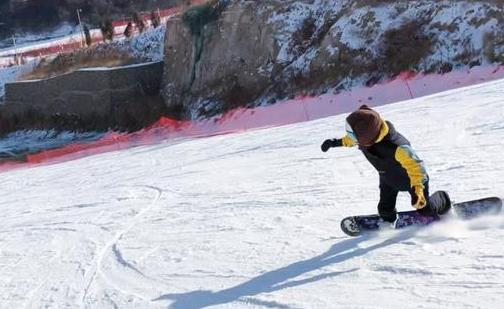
point(346, 141)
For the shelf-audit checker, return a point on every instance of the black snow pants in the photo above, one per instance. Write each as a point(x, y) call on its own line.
point(439, 203)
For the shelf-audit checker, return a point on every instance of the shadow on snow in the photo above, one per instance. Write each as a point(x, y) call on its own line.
point(278, 279)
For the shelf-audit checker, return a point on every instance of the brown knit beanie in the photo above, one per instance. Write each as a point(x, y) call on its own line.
point(366, 124)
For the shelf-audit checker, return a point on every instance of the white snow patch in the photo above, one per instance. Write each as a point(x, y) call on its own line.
point(148, 45)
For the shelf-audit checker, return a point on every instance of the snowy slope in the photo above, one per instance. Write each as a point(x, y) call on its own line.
point(252, 220)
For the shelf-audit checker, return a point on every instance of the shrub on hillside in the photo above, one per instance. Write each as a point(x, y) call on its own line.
point(140, 24)
point(403, 48)
point(302, 37)
point(128, 32)
point(199, 16)
point(469, 55)
point(155, 19)
point(107, 30)
point(493, 47)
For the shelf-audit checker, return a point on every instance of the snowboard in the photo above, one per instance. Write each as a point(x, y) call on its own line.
point(357, 225)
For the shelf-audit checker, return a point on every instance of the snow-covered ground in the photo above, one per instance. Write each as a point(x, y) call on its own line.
point(24, 39)
point(251, 220)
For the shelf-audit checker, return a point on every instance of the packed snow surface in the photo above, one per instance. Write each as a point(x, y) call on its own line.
point(251, 220)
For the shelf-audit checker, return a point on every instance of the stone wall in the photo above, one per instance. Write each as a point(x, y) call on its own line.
point(124, 98)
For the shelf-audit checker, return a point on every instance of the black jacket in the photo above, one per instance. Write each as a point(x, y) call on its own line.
point(394, 159)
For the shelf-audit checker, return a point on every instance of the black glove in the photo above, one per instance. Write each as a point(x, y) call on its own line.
point(329, 143)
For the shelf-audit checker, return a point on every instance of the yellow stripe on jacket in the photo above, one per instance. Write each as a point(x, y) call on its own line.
point(348, 141)
point(384, 130)
point(412, 164)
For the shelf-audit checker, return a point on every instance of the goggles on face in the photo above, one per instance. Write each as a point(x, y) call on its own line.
point(350, 133)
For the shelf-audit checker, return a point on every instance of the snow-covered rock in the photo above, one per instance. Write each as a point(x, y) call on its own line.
point(148, 45)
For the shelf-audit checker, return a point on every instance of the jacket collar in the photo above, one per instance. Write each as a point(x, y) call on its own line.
point(384, 130)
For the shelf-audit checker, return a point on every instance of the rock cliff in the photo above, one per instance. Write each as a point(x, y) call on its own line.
point(247, 53)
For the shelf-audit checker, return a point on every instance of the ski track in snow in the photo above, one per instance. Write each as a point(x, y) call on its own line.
point(251, 220)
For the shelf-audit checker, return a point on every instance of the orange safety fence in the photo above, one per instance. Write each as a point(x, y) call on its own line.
point(403, 87)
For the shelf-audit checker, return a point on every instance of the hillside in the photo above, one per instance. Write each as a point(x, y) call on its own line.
point(249, 53)
point(251, 220)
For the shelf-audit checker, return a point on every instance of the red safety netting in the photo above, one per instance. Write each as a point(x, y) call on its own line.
point(403, 87)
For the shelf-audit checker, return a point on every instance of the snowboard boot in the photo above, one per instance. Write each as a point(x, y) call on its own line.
point(388, 220)
point(440, 202)
point(389, 217)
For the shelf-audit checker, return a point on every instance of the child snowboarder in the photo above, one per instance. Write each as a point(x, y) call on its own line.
point(391, 154)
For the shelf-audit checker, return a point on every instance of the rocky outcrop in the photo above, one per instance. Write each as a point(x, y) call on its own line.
point(225, 63)
point(250, 53)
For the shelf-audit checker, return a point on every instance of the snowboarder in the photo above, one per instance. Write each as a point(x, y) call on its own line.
point(399, 168)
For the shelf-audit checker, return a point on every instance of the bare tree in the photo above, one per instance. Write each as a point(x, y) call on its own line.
point(107, 30)
point(87, 35)
point(155, 19)
point(138, 20)
point(129, 30)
